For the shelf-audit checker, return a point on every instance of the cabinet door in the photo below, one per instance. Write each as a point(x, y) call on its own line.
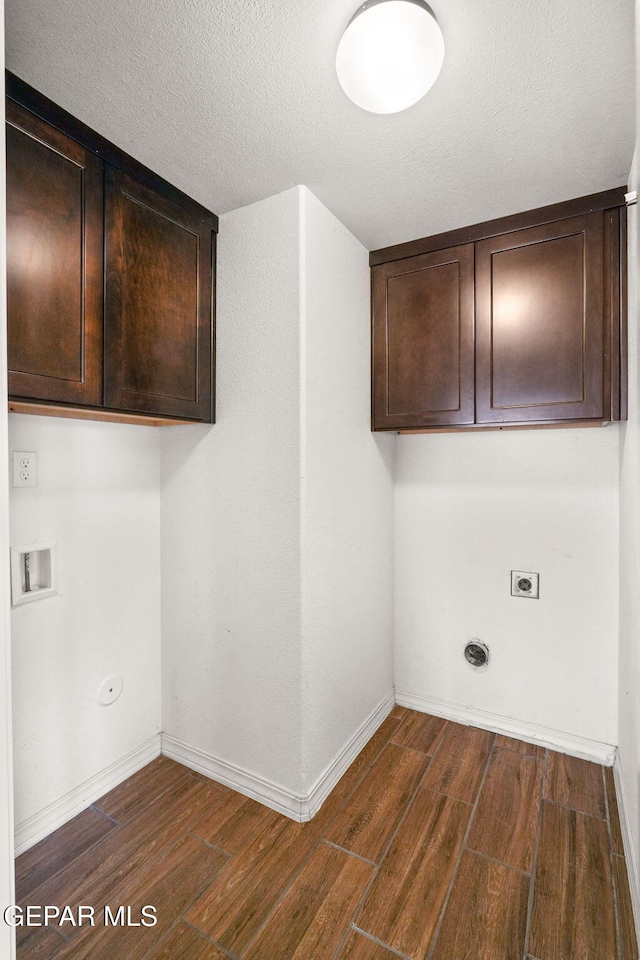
point(54, 263)
point(158, 309)
point(540, 323)
point(423, 369)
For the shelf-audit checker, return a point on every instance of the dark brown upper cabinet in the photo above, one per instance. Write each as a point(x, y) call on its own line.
point(512, 322)
point(539, 323)
point(157, 303)
point(110, 277)
point(424, 370)
point(54, 263)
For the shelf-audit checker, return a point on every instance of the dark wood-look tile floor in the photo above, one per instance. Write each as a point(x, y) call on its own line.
point(441, 842)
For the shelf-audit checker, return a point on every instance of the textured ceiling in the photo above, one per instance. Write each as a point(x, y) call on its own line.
point(236, 100)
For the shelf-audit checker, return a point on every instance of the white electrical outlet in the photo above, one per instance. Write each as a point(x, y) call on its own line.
point(525, 584)
point(25, 466)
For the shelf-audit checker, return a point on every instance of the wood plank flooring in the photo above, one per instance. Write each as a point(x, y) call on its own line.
point(441, 842)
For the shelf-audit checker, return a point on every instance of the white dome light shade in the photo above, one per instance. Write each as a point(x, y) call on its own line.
point(390, 55)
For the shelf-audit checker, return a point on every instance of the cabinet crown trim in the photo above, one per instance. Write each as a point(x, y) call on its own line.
point(34, 101)
point(493, 228)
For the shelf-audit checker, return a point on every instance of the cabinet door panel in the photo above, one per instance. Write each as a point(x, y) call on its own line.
point(54, 263)
point(158, 349)
point(540, 323)
point(423, 340)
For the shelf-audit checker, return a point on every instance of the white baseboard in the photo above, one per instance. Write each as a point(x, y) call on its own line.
point(327, 781)
point(41, 824)
point(630, 856)
point(298, 807)
point(264, 791)
point(304, 807)
point(603, 753)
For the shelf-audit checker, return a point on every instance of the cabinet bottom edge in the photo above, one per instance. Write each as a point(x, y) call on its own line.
point(97, 413)
point(530, 425)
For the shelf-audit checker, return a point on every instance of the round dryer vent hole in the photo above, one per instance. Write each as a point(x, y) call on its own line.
point(476, 653)
point(109, 690)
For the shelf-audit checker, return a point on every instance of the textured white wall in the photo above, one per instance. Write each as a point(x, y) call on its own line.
point(470, 508)
point(347, 490)
point(231, 509)
point(98, 495)
point(7, 938)
point(277, 522)
point(629, 714)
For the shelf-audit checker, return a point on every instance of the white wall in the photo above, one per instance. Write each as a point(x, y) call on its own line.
point(7, 938)
point(469, 509)
point(629, 714)
point(277, 542)
point(231, 516)
point(98, 495)
point(347, 535)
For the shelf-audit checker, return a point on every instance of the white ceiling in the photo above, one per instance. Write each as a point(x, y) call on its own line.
point(236, 100)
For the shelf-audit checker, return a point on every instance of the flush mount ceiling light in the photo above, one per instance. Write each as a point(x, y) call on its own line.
point(390, 54)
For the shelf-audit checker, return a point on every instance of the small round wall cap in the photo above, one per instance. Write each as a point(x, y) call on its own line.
point(109, 690)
